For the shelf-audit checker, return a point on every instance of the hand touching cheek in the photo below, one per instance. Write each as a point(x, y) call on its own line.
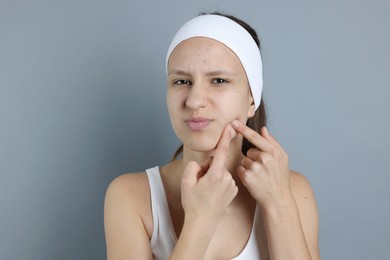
point(208, 189)
point(264, 171)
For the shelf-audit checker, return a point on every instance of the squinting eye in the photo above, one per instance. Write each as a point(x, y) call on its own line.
point(219, 81)
point(182, 82)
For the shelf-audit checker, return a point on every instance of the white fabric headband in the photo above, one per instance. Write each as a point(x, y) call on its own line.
point(235, 37)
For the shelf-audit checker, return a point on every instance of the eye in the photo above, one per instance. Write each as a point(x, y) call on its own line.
point(182, 82)
point(219, 81)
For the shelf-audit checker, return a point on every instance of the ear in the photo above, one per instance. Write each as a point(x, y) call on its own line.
point(251, 110)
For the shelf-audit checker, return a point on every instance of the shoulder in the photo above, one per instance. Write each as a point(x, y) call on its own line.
point(129, 192)
point(128, 196)
point(303, 193)
point(300, 186)
point(128, 217)
point(129, 184)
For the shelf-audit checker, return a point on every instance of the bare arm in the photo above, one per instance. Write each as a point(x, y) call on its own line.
point(308, 211)
point(126, 237)
point(292, 225)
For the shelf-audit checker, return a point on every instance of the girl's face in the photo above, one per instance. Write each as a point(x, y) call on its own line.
point(207, 89)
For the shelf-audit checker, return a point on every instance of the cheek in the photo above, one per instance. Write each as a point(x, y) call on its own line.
point(175, 109)
point(236, 108)
point(172, 102)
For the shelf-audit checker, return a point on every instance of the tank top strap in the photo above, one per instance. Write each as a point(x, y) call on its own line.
point(163, 237)
point(252, 248)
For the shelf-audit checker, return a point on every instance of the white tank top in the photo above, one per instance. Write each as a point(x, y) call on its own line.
point(164, 238)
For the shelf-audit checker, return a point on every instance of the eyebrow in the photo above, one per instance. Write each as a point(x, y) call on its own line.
point(220, 72)
point(178, 72)
point(210, 73)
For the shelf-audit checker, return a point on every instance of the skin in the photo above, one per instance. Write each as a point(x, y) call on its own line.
point(213, 190)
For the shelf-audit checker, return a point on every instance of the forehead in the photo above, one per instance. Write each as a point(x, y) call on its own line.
point(204, 50)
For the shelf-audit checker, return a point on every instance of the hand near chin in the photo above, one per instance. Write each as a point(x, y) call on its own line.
point(209, 188)
point(264, 170)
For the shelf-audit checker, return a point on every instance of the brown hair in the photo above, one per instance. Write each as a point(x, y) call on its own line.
point(260, 118)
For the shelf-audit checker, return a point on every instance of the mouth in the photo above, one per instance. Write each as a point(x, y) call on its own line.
point(198, 123)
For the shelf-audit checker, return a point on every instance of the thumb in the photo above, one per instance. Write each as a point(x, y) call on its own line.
point(191, 173)
point(205, 167)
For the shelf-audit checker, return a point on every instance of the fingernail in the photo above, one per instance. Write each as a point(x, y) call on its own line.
point(235, 123)
point(266, 130)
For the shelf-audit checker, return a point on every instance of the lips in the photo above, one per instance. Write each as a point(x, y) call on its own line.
point(198, 123)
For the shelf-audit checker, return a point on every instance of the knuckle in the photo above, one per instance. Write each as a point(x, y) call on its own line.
point(244, 176)
point(191, 165)
point(235, 191)
point(245, 162)
point(256, 166)
point(252, 137)
point(240, 170)
point(216, 177)
point(228, 177)
point(266, 159)
point(276, 153)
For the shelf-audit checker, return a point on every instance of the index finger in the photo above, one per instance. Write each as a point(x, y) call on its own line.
point(222, 149)
point(252, 136)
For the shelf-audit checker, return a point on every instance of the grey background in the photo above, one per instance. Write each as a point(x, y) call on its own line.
point(82, 100)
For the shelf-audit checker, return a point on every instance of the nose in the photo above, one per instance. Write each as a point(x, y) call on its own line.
point(197, 97)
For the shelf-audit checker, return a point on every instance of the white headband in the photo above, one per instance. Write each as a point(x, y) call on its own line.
point(235, 37)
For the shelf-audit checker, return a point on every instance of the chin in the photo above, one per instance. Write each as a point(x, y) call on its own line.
point(200, 141)
point(201, 144)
